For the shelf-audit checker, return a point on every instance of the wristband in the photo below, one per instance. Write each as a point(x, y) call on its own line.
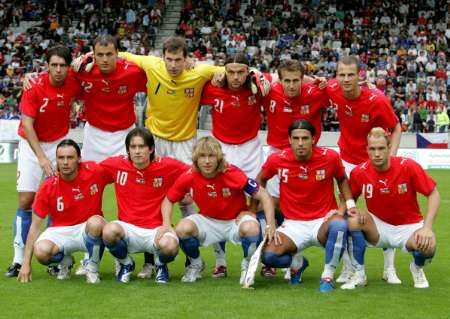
point(350, 203)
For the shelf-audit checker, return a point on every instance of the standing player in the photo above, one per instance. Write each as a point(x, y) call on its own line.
point(360, 109)
point(219, 189)
point(236, 118)
point(45, 122)
point(308, 203)
point(389, 185)
point(73, 201)
point(141, 181)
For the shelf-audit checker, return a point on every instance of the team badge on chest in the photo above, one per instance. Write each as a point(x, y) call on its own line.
point(320, 174)
point(226, 192)
point(402, 188)
point(189, 92)
point(93, 189)
point(157, 182)
point(365, 118)
point(251, 100)
point(122, 89)
point(304, 109)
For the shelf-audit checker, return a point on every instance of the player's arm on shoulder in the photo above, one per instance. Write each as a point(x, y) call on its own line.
point(25, 271)
point(31, 137)
point(143, 61)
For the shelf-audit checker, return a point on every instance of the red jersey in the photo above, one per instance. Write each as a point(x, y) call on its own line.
point(236, 115)
point(140, 192)
point(109, 98)
point(306, 187)
point(49, 106)
point(392, 195)
point(357, 117)
point(281, 111)
point(221, 197)
point(71, 202)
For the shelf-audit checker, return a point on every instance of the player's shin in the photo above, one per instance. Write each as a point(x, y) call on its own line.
point(334, 247)
point(190, 246)
point(119, 249)
point(22, 223)
point(357, 249)
point(95, 248)
point(420, 259)
point(219, 253)
point(249, 244)
point(277, 261)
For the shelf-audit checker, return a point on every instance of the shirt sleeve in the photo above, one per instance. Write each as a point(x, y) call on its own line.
point(180, 188)
point(207, 95)
point(41, 204)
point(422, 182)
point(106, 169)
point(143, 61)
point(207, 71)
point(269, 168)
point(338, 170)
point(29, 104)
point(386, 117)
point(355, 185)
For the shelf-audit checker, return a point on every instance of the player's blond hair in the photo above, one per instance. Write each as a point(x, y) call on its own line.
point(209, 145)
point(378, 132)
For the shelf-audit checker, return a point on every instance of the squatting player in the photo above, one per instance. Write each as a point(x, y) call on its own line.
point(141, 181)
point(308, 203)
point(72, 200)
point(389, 185)
point(219, 189)
point(359, 109)
point(45, 122)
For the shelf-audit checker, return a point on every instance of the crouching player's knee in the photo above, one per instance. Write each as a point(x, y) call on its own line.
point(168, 247)
point(272, 259)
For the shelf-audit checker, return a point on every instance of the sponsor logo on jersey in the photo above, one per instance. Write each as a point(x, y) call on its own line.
point(365, 118)
point(189, 92)
point(226, 192)
point(348, 110)
point(93, 189)
point(402, 188)
point(171, 92)
point(157, 182)
point(211, 190)
point(140, 180)
point(251, 100)
point(60, 103)
point(78, 196)
point(304, 109)
point(385, 189)
point(122, 89)
point(287, 109)
point(320, 174)
point(304, 174)
point(235, 101)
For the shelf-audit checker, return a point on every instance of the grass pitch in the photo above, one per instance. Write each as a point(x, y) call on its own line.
point(46, 297)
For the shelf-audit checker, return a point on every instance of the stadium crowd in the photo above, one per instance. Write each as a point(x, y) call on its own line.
point(403, 49)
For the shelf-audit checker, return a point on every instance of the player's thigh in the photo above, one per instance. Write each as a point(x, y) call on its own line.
point(29, 172)
point(247, 156)
point(181, 150)
point(210, 230)
point(139, 239)
point(68, 238)
point(369, 228)
point(302, 233)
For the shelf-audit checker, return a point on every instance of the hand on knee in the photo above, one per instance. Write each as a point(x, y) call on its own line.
point(95, 225)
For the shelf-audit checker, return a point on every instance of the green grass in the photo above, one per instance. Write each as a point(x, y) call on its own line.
point(46, 297)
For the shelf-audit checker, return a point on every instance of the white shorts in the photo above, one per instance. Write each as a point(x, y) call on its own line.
point(394, 236)
point(181, 150)
point(273, 184)
point(139, 239)
point(99, 144)
point(29, 172)
point(247, 156)
point(348, 167)
point(68, 238)
point(302, 232)
point(213, 231)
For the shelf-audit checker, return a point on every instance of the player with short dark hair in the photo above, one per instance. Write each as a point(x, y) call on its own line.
point(72, 200)
point(141, 181)
point(45, 121)
point(219, 190)
point(307, 200)
point(389, 185)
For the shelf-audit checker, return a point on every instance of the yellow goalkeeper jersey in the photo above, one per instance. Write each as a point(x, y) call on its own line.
point(173, 102)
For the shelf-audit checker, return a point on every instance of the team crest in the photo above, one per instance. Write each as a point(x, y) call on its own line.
point(171, 92)
point(304, 109)
point(226, 192)
point(122, 89)
point(189, 92)
point(251, 100)
point(157, 182)
point(320, 174)
point(365, 118)
point(93, 189)
point(402, 188)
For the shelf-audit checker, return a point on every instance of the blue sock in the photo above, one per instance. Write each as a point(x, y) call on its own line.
point(335, 245)
point(119, 249)
point(95, 247)
point(165, 259)
point(420, 259)
point(56, 259)
point(21, 223)
point(190, 246)
point(261, 217)
point(249, 244)
point(277, 261)
point(149, 258)
point(356, 248)
point(279, 218)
